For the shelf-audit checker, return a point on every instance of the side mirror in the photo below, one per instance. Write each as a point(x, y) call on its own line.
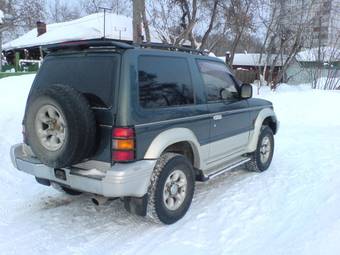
point(246, 91)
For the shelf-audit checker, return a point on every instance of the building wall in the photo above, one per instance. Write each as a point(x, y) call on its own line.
point(297, 75)
point(302, 73)
point(321, 19)
point(334, 28)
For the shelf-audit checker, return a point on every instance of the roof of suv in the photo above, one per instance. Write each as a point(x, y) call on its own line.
point(109, 44)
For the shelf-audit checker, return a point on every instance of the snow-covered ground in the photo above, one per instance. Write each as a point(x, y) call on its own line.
point(293, 208)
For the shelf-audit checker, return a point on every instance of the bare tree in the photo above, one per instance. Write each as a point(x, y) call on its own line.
point(60, 10)
point(176, 20)
point(238, 17)
point(320, 65)
point(188, 21)
point(145, 21)
point(283, 38)
point(9, 28)
point(165, 18)
point(29, 12)
point(291, 40)
point(117, 6)
point(213, 16)
point(24, 14)
point(93, 6)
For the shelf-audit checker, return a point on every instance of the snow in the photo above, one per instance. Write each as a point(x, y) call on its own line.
point(252, 59)
point(293, 208)
point(327, 54)
point(89, 27)
point(2, 16)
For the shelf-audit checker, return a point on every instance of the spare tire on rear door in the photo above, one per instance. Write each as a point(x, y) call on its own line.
point(60, 126)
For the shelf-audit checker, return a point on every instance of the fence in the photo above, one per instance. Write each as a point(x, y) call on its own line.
point(246, 76)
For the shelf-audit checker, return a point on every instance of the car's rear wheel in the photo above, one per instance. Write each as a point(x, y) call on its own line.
point(171, 189)
point(262, 157)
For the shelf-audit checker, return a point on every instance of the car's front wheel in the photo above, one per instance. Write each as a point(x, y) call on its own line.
point(262, 157)
point(171, 189)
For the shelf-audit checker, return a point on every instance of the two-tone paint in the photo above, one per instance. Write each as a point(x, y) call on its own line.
point(217, 131)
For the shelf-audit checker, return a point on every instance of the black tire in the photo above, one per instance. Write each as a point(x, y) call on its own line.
point(80, 126)
point(71, 192)
point(256, 164)
point(166, 165)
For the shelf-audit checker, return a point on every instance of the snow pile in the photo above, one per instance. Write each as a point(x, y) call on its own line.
point(327, 54)
point(293, 208)
point(89, 27)
point(253, 59)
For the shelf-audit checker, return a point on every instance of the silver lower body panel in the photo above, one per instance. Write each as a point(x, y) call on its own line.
point(121, 180)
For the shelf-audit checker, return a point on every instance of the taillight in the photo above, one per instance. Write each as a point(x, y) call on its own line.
point(123, 144)
point(123, 133)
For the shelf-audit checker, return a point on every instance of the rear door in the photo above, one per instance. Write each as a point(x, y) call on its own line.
point(230, 118)
point(95, 75)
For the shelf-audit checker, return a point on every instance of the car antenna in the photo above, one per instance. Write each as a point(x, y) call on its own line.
point(104, 21)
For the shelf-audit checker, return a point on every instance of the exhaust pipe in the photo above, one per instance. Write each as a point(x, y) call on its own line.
point(99, 200)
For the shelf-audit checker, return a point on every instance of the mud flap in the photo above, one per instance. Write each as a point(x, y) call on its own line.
point(43, 181)
point(136, 205)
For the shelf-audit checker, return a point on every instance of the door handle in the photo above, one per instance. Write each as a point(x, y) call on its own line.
point(217, 117)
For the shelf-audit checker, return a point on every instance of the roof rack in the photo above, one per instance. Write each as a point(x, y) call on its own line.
point(170, 47)
point(87, 44)
point(116, 44)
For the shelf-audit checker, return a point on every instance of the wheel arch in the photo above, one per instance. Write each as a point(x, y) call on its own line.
point(265, 117)
point(180, 140)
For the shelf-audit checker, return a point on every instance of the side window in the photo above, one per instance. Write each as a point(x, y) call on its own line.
point(216, 78)
point(164, 82)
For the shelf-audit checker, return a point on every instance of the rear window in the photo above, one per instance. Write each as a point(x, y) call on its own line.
point(164, 82)
point(93, 74)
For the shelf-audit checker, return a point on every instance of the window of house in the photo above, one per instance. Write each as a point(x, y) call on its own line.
point(164, 82)
point(216, 79)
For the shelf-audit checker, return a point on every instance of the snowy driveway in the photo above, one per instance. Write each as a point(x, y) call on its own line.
point(293, 208)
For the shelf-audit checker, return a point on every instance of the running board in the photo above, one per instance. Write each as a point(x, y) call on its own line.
point(203, 177)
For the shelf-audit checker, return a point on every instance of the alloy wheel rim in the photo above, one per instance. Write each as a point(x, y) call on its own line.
point(50, 127)
point(265, 149)
point(175, 190)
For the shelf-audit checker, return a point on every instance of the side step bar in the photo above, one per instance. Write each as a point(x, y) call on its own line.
point(203, 177)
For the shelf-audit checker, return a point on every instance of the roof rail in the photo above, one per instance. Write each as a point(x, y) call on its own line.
point(117, 44)
point(85, 44)
point(170, 47)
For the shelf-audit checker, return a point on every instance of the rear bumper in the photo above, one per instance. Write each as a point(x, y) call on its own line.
point(131, 179)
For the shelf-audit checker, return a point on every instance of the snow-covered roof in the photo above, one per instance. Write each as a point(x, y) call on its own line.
point(252, 59)
point(88, 27)
point(326, 54)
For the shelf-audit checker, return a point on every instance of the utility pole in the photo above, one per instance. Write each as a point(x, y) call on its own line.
point(137, 21)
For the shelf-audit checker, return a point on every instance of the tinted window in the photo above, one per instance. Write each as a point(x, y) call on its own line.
point(164, 82)
point(93, 75)
point(216, 78)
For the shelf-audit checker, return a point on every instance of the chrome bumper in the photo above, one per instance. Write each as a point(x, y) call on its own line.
point(130, 179)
